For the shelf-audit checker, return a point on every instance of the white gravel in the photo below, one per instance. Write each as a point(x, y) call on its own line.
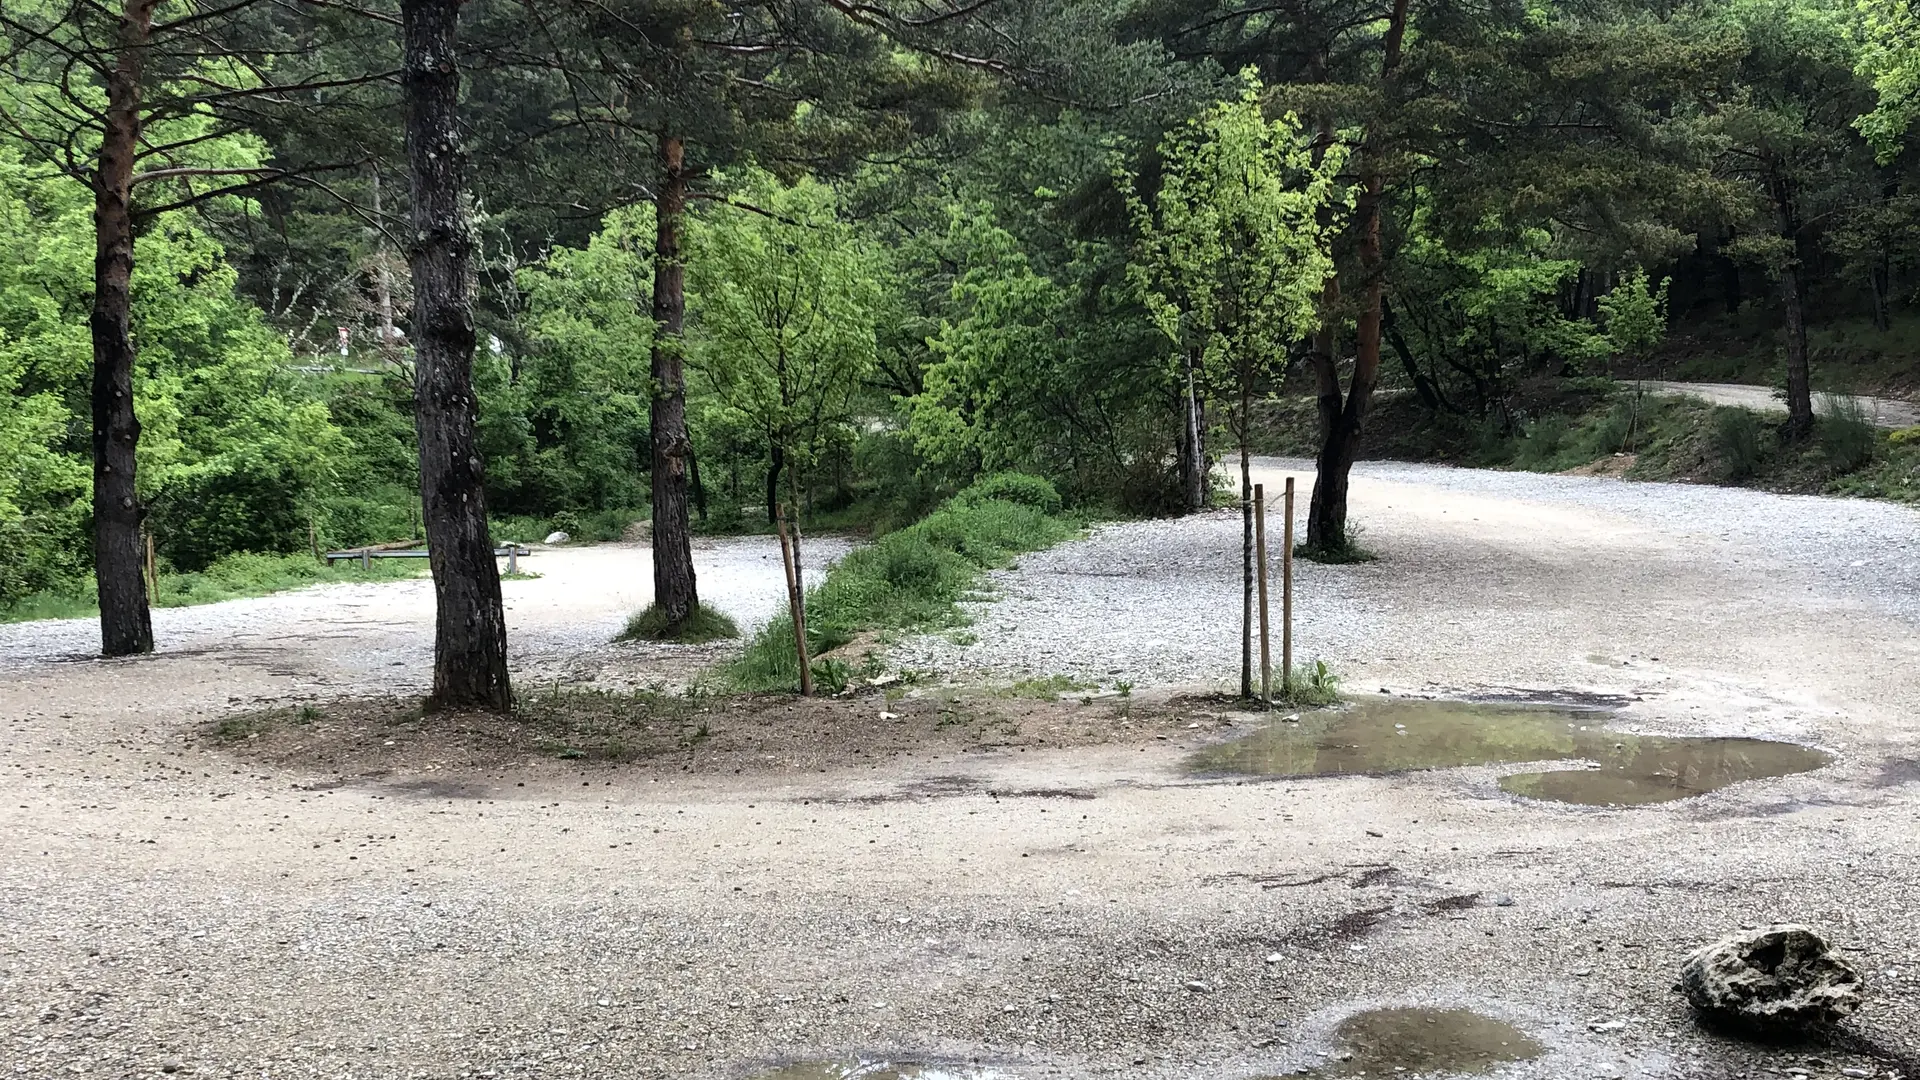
point(1159, 602)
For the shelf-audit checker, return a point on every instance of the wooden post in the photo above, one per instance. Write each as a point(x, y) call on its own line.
point(153, 570)
point(1260, 546)
point(796, 600)
point(1286, 596)
point(313, 541)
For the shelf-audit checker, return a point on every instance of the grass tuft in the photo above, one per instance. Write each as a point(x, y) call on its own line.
point(705, 625)
point(1312, 686)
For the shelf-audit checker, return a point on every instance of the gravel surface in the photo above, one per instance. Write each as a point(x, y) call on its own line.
point(172, 909)
point(1884, 412)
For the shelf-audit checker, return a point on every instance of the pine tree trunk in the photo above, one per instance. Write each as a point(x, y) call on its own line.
point(1342, 422)
point(1793, 306)
point(126, 623)
point(674, 589)
point(470, 631)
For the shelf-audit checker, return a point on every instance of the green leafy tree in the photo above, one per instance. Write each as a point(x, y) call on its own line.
point(1232, 260)
point(784, 297)
point(1891, 58)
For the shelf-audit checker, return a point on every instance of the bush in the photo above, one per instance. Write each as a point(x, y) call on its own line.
point(1023, 489)
point(206, 515)
point(1847, 438)
point(1734, 435)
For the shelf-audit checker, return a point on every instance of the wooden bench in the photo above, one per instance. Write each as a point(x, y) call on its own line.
point(366, 555)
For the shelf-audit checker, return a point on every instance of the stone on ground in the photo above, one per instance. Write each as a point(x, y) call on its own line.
point(1780, 979)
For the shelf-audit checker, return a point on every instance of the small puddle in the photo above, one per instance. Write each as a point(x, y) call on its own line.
point(1428, 1042)
point(1399, 735)
point(874, 1070)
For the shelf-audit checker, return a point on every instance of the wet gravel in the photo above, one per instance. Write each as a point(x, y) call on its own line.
point(1159, 602)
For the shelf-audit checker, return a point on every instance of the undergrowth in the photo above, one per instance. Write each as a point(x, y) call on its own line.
point(230, 578)
point(910, 579)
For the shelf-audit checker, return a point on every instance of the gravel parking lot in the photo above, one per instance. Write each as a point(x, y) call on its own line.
point(175, 909)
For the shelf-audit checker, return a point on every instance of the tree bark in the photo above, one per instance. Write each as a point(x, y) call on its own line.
point(775, 462)
point(674, 588)
point(1793, 305)
point(1246, 557)
point(1193, 451)
point(1342, 421)
point(126, 623)
point(470, 631)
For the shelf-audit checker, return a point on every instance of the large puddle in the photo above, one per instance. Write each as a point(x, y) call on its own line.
point(1401, 735)
point(1428, 1042)
point(874, 1070)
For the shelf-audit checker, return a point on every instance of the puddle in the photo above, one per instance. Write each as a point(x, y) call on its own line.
point(1389, 736)
point(875, 1070)
point(1428, 1042)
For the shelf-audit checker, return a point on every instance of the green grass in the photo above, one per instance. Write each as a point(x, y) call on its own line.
point(230, 578)
point(910, 579)
point(1312, 686)
point(705, 625)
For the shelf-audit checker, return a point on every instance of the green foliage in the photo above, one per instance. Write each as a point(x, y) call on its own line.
point(706, 625)
point(1891, 58)
point(1846, 436)
point(908, 579)
point(1634, 314)
point(1736, 441)
point(1312, 686)
point(1232, 254)
point(1026, 490)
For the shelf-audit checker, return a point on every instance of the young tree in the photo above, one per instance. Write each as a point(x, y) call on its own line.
point(784, 299)
point(1232, 259)
point(470, 630)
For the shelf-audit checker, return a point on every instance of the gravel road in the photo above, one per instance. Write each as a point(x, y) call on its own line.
point(1885, 412)
point(1088, 912)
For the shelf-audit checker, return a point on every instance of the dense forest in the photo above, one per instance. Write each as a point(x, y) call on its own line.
point(282, 276)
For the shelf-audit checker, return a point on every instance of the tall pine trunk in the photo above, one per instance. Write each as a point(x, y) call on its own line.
point(674, 589)
point(470, 632)
point(1793, 306)
point(126, 624)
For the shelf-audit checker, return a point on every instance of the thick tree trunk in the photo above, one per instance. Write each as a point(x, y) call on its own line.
point(1793, 306)
point(1341, 422)
point(126, 624)
point(470, 631)
point(674, 589)
point(1193, 449)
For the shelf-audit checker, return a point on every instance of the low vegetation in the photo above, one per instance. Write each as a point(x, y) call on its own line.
point(705, 625)
point(912, 578)
point(229, 578)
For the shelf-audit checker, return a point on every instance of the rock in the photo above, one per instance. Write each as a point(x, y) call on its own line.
point(1198, 987)
point(557, 538)
point(1502, 900)
point(1778, 980)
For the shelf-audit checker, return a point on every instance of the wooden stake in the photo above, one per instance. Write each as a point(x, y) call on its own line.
point(796, 600)
point(1286, 596)
point(1260, 546)
point(153, 572)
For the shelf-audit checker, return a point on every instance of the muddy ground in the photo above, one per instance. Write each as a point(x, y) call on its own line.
point(1066, 899)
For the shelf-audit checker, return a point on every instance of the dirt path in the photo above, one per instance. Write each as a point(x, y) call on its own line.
point(1090, 911)
point(1884, 412)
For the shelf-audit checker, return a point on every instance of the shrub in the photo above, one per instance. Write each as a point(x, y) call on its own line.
point(1734, 435)
point(1312, 685)
point(1847, 438)
point(1021, 488)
